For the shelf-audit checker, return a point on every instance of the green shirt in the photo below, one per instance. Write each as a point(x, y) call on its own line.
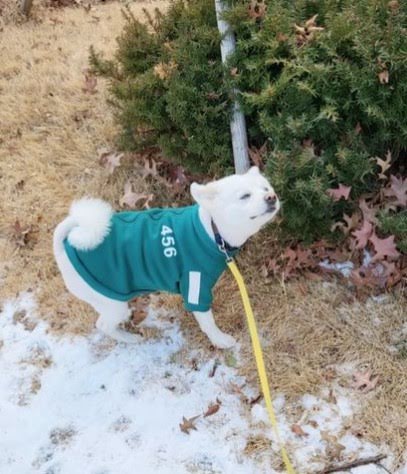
point(155, 250)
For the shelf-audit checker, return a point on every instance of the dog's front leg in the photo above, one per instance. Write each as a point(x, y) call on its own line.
point(208, 326)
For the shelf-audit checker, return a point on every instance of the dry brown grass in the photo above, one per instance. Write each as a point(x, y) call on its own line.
point(50, 135)
point(309, 328)
point(50, 132)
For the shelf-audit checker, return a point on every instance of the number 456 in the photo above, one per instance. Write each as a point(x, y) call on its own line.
point(168, 241)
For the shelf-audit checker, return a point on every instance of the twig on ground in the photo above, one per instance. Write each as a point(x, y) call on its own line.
point(384, 468)
point(350, 465)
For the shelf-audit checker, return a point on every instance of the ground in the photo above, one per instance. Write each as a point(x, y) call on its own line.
point(118, 408)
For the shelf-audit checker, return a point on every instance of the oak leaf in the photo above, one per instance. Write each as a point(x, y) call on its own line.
point(398, 189)
point(296, 429)
point(384, 165)
point(341, 192)
point(110, 159)
point(383, 247)
point(89, 86)
point(363, 234)
point(384, 76)
point(257, 155)
point(364, 382)
point(369, 213)
point(351, 223)
point(257, 9)
point(24, 236)
point(130, 198)
point(212, 409)
point(149, 169)
point(188, 424)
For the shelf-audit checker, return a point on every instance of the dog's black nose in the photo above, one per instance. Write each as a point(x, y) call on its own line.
point(271, 199)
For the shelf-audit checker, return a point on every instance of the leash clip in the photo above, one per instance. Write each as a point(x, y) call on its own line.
point(222, 248)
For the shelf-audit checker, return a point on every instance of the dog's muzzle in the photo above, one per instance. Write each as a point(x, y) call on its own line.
point(271, 201)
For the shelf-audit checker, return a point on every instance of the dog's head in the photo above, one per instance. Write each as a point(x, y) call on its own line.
point(239, 204)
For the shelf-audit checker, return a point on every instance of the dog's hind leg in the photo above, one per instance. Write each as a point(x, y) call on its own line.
point(111, 312)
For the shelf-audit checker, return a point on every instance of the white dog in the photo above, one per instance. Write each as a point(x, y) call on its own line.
point(106, 258)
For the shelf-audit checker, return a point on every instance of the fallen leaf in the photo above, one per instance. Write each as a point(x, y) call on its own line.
point(383, 247)
point(129, 197)
point(364, 382)
point(149, 198)
point(110, 159)
point(306, 33)
point(149, 169)
point(330, 374)
point(363, 278)
point(90, 83)
point(334, 450)
point(369, 213)
point(188, 424)
point(24, 236)
point(384, 76)
point(398, 189)
point(311, 22)
point(351, 222)
point(384, 165)
point(341, 192)
point(212, 409)
point(257, 155)
point(257, 9)
point(362, 235)
point(296, 429)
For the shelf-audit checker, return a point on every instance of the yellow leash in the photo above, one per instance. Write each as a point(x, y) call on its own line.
point(259, 359)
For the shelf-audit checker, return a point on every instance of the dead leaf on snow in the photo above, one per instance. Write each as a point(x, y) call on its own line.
point(296, 429)
point(188, 424)
point(212, 409)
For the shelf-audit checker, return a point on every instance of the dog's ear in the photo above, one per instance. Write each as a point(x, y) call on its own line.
point(203, 193)
point(254, 170)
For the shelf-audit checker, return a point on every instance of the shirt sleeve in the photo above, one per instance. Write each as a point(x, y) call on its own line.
point(196, 291)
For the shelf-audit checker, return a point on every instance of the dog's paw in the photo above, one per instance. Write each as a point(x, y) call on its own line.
point(223, 341)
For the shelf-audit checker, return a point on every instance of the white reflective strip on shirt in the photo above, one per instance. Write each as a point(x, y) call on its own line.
point(194, 287)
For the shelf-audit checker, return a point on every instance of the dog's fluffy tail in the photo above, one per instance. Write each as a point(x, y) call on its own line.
point(86, 226)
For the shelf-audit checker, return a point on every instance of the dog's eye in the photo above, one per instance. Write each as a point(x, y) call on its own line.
point(245, 196)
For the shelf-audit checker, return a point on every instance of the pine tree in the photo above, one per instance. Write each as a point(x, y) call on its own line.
point(322, 83)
